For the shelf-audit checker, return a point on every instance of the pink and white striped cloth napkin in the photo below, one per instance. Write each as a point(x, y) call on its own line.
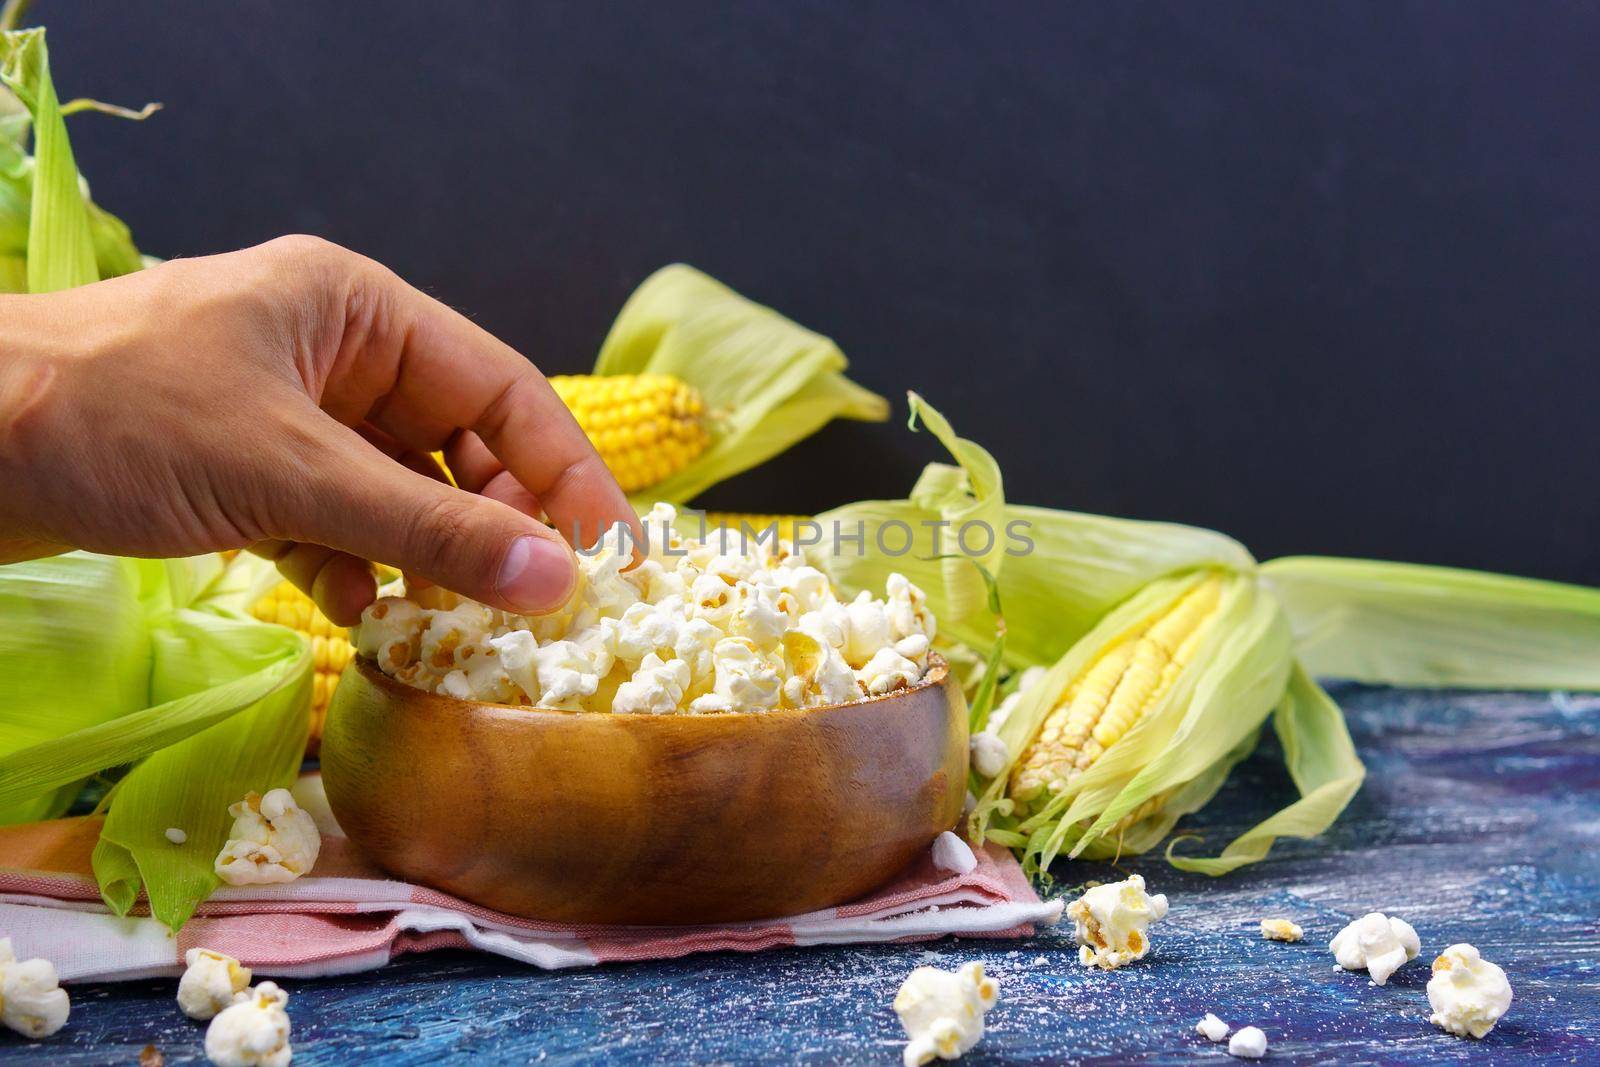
point(349, 916)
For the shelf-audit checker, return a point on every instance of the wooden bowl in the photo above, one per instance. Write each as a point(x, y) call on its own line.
point(645, 819)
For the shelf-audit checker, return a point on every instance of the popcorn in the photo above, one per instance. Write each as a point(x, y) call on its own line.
point(210, 982)
point(253, 1031)
point(563, 674)
point(1249, 1043)
point(1111, 921)
point(695, 644)
point(952, 854)
point(869, 630)
point(759, 620)
point(828, 623)
point(908, 609)
point(656, 687)
point(1376, 943)
point(745, 681)
point(480, 676)
point(467, 624)
point(273, 840)
point(604, 591)
point(32, 1001)
point(819, 675)
point(1211, 1028)
point(807, 587)
point(714, 600)
point(391, 633)
point(699, 625)
point(989, 752)
point(1281, 930)
point(942, 1012)
point(887, 671)
point(1468, 994)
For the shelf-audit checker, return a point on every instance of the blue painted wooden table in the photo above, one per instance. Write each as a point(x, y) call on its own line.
point(1480, 822)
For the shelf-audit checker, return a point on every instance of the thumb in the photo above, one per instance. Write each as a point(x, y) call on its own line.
point(361, 502)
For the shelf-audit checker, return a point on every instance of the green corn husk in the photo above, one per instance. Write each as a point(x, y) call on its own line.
point(1088, 579)
point(1407, 624)
point(768, 381)
point(1079, 567)
point(106, 662)
point(52, 235)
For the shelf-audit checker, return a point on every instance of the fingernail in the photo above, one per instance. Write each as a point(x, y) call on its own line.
point(537, 574)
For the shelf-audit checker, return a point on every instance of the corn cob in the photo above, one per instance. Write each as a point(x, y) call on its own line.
point(754, 521)
point(647, 427)
point(330, 645)
point(1128, 679)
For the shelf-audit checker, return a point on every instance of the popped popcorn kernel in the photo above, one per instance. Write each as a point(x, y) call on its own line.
point(273, 840)
point(722, 623)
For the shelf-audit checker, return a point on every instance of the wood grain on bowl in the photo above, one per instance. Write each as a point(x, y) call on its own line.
point(644, 819)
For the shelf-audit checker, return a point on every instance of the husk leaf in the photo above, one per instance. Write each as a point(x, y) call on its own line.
point(106, 662)
point(1323, 763)
point(1409, 624)
point(767, 381)
point(61, 251)
point(1059, 572)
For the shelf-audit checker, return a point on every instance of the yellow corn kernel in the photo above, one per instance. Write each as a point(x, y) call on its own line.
point(1119, 686)
point(331, 650)
point(646, 427)
point(756, 522)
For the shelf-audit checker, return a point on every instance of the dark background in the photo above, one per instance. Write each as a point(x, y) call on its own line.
point(1324, 276)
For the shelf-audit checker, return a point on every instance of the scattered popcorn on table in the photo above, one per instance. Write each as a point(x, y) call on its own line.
point(950, 853)
point(1248, 1043)
point(273, 840)
point(32, 1001)
point(1112, 920)
point(253, 1031)
point(175, 835)
point(942, 1011)
point(730, 623)
point(1468, 994)
point(1376, 943)
point(989, 753)
point(210, 982)
point(1211, 1028)
point(1281, 930)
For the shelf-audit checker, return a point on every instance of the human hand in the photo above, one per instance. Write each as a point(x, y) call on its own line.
point(286, 397)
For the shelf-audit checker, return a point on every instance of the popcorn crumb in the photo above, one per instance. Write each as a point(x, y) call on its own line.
point(950, 853)
point(1377, 944)
point(1212, 1028)
point(1248, 1043)
point(942, 1012)
point(1112, 920)
point(1281, 930)
point(175, 835)
point(1468, 994)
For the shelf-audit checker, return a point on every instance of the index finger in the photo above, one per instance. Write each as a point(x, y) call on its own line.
point(438, 374)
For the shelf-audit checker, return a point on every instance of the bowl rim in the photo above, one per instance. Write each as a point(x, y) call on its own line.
point(937, 674)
